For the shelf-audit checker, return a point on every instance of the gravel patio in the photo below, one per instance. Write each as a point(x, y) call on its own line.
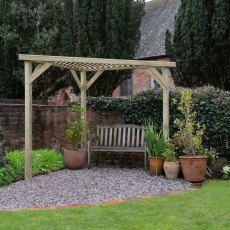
point(95, 185)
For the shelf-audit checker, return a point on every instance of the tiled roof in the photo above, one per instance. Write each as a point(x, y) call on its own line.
point(160, 16)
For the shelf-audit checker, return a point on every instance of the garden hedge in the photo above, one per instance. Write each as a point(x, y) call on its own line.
point(211, 105)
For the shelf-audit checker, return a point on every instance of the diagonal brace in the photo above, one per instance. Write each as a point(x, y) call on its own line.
point(41, 68)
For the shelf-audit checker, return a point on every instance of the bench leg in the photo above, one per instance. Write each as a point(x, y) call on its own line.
point(88, 155)
point(97, 159)
point(145, 161)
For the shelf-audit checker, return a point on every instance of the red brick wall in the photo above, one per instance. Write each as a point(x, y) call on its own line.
point(49, 124)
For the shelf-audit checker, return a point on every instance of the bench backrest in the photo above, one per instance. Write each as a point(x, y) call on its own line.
point(121, 135)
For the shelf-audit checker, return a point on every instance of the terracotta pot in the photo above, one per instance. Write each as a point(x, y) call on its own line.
point(156, 166)
point(171, 169)
point(75, 159)
point(194, 168)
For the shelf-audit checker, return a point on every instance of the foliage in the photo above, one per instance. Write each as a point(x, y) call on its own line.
point(3, 160)
point(155, 141)
point(6, 175)
point(108, 29)
point(88, 28)
point(226, 172)
point(200, 43)
point(169, 154)
point(212, 108)
point(205, 208)
point(43, 161)
point(77, 129)
point(190, 133)
point(40, 22)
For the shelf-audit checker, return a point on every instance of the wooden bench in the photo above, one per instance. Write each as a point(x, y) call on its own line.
point(119, 138)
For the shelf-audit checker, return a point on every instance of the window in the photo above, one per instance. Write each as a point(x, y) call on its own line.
point(127, 87)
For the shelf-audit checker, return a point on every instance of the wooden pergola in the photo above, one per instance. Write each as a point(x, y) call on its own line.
point(80, 65)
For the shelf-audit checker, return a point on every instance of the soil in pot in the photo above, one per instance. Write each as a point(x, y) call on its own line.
point(193, 167)
point(171, 169)
point(75, 159)
point(156, 166)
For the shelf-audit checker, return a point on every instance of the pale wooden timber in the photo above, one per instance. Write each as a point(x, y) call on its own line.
point(166, 103)
point(28, 121)
point(83, 94)
point(94, 64)
point(120, 142)
point(39, 70)
point(157, 76)
point(83, 97)
point(76, 78)
point(93, 79)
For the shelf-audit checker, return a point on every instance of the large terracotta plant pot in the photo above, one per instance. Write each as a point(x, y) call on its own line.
point(194, 168)
point(75, 159)
point(156, 166)
point(171, 169)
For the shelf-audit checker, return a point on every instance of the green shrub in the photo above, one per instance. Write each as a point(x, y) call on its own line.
point(211, 105)
point(6, 175)
point(43, 161)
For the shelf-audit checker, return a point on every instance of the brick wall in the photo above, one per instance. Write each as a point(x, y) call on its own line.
point(49, 125)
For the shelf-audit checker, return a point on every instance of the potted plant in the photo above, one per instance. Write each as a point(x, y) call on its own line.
point(76, 137)
point(155, 147)
point(189, 140)
point(171, 163)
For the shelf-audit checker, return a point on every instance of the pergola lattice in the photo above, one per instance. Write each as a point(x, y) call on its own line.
point(82, 65)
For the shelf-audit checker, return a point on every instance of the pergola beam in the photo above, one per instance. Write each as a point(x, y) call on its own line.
point(61, 59)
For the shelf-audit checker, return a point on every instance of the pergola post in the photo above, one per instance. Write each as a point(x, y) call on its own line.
point(83, 94)
point(163, 82)
point(28, 121)
point(165, 72)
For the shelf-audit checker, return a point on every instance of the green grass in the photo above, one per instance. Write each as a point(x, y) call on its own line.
point(207, 208)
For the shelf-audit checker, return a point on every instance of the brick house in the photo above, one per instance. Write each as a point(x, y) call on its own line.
point(159, 16)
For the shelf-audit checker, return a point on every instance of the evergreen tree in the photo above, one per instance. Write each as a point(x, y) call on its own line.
point(108, 29)
point(201, 58)
point(87, 28)
point(221, 42)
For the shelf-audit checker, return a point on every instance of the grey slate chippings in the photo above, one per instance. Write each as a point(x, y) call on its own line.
point(85, 186)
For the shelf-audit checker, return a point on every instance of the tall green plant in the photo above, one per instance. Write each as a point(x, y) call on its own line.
point(190, 132)
point(155, 141)
point(77, 128)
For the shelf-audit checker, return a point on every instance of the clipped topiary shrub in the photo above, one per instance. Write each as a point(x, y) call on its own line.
point(211, 105)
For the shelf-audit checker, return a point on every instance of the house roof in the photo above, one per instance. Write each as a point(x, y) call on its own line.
point(159, 16)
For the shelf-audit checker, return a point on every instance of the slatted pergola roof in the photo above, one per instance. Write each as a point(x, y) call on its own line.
point(81, 65)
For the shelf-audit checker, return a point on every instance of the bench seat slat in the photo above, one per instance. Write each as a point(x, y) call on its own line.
point(116, 149)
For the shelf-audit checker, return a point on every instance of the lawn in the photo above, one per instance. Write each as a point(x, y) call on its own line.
point(206, 208)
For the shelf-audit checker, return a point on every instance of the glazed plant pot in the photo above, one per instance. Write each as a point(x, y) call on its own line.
point(75, 159)
point(193, 168)
point(171, 169)
point(156, 166)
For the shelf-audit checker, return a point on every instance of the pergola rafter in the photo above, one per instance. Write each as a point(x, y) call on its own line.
point(84, 65)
